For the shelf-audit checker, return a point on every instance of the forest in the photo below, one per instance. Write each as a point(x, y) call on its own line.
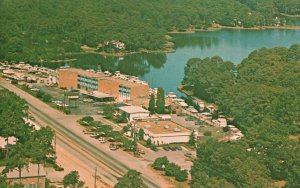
point(261, 95)
point(32, 146)
point(39, 30)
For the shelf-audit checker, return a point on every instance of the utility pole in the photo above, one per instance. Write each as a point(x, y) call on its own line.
point(95, 180)
point(55, 142)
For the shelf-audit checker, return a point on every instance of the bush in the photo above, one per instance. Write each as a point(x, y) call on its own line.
point(125, 129)
point(207, 133)
point(148, 142)
point(47, 98)
point(172, 169)
point(153, 148)
point(14, 82)
point(181, 175)
point(226, 129)
point(87, 119)
point(40, 94)
point(159, 162)
point(122, 119)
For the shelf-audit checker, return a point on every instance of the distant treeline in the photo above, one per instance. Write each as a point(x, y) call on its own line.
point(33, 30)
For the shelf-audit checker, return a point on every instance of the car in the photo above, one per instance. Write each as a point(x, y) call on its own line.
point(141, 151)
point(102, 140)
point(173, 148)
point(178, 148)
point(93, 135)
point(166, 147)
point(110, 139)
point(113, 146)
point(198, 123)
point(188, 155)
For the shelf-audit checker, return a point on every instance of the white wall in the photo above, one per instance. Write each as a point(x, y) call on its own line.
point(138, 115)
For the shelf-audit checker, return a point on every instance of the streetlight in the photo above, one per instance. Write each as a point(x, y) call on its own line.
point(163, 167)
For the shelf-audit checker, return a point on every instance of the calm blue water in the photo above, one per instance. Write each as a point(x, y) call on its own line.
point(167, 70)
point(232, 45)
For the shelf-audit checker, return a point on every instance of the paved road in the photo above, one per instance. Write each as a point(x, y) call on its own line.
point(117, 161)
point(69, 155)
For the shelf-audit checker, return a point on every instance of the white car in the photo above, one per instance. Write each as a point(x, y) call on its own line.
point(102, 140)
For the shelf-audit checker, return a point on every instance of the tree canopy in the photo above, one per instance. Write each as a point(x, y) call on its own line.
point(262, 95)
point(42, 30)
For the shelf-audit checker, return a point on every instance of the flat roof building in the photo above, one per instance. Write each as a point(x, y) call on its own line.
point(164, 131)
point(121, 90)
point(135, 112)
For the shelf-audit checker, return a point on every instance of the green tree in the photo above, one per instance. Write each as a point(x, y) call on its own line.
point(108, 111)
point(131, 179)
point(18, 158)
point(160, 101)
point(181, 175)
point(40, 146)
point(171, 169)
point(151, 107)
point(47, 98)
point(87, 119)
point(160, 162)
point(72, 180)
point(192, 139)
point(141, 134)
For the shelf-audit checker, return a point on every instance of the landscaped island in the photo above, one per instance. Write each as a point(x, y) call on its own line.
point(262, 95)
point(48, 30)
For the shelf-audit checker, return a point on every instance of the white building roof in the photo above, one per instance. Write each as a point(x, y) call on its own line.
point(133, 109)
point(183, 104)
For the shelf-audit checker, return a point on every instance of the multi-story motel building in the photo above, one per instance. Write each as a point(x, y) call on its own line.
point(102, 85)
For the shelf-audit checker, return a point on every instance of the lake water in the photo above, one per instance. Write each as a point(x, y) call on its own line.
point(167, 70)
point(231, 45)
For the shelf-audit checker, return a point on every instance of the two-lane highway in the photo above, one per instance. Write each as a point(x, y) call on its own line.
point(118, 161)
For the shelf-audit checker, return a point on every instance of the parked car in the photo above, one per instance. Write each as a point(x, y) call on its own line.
point(173, 148)
point(110, 139)
point(166, 147)
point(113, 146)
point(93, 135)
point(141, 151)
point(179, 148)
point(102, 140)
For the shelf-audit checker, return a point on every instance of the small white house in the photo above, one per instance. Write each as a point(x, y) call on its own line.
point(133, 112)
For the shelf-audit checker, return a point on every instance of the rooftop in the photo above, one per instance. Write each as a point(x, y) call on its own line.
point(162, 127)
point(101, 76)
point(133, 109)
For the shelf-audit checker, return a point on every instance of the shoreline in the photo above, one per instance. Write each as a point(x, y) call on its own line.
point(169, 49)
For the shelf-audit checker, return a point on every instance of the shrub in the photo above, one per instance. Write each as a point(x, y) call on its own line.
point(148, 142)
point(207, 133)
point(181, 175)
point(159, 162)
point(172, 169)
point(153, 148)
point(40, 94)
point(87, 119)
point(47, 98)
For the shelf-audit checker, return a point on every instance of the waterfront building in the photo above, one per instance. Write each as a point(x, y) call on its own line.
point(121, 90)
